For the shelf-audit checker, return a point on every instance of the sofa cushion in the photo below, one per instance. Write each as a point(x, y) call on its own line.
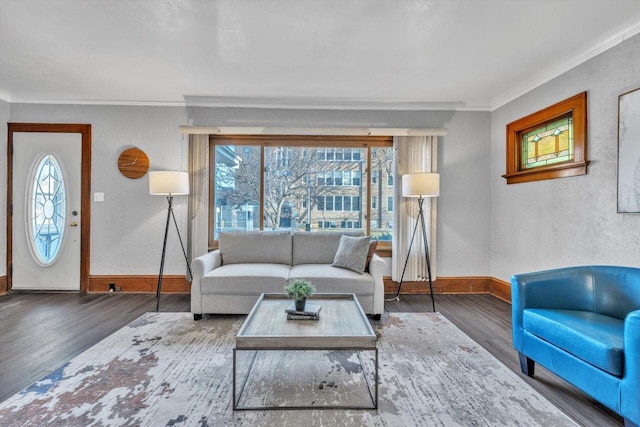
point(592, 337)
point(245, 279)
point(328, 279)
point(352, 253)
point(317, 247)
point(238, 247)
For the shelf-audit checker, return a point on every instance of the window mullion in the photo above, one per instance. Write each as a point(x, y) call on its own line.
point(262, 186)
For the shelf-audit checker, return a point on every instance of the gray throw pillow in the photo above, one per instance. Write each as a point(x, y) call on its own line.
point(352, 253)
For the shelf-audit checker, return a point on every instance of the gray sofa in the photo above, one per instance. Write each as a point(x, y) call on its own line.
point(246, 264)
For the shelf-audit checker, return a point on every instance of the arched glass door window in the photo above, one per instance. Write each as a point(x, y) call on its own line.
point(48, 209)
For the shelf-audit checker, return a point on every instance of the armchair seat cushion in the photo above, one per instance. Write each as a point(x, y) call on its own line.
point(245, 279)
point(592, 337)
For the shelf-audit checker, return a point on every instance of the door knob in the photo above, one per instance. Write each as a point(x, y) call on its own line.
point(73, 224)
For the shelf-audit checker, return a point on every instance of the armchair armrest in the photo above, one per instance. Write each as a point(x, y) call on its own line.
point(568, 288)
point(630, 385)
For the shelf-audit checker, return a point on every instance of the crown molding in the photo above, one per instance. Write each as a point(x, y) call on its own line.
point(97, 102)
point(316, 103)
point(542, 78)
point(285, 103)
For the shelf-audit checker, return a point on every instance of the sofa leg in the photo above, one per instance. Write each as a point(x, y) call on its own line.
point(629, 423)
point(197, 317)
point(376, 316)
point(527, 366)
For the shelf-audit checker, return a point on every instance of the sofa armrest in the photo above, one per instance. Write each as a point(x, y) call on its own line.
point(205, 263)
point(630, 385)
point(376, 269)
point(201, 266)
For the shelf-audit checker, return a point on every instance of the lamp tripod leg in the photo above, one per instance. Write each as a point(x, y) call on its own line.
point(396, 297)
point(164, 250)
point(186, 259)
point(428, 260)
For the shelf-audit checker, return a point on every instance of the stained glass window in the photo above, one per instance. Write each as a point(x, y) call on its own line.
point(549, 144)
point(48, 209)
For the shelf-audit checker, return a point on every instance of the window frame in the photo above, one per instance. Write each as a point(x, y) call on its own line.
point(576, 107)
point(330, 143)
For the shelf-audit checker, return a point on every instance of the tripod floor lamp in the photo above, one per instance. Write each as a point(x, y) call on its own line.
point(169, 183)
point(420, 185)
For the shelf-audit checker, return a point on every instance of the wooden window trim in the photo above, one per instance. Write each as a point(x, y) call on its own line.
point(577, 107)
point(304, 140)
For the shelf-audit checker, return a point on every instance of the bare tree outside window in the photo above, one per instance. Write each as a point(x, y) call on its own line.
point(306, 187)
point(381, 170)
point(237, 188)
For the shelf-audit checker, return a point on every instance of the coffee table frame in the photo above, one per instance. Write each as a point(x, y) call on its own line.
point(343, 326)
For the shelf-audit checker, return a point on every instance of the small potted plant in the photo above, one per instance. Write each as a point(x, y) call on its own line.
point(299, 289)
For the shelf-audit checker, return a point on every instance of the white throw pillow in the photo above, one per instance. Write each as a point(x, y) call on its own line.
point(352, 253)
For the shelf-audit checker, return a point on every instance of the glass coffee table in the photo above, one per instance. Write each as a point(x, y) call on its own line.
point(333, 346)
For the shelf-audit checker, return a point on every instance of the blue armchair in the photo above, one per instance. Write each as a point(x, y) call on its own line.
point(583, 324)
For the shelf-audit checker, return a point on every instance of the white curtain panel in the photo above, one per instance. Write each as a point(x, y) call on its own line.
point(198, 235)
point(413, 154)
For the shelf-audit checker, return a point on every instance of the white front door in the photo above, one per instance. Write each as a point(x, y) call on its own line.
point(46, 211)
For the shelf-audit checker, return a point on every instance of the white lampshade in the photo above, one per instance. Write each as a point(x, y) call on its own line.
point(168, 183)
point(421, 185)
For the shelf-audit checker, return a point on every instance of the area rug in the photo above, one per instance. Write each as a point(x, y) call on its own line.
point(164, 369)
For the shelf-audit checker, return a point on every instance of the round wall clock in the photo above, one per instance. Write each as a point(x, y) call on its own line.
point(133, 163)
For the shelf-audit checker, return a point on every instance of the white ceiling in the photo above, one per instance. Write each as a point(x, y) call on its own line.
point(394, 54)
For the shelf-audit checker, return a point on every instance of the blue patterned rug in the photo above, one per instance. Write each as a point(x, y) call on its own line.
point(164, 369)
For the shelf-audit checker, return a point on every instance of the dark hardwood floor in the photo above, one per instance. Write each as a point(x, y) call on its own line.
point(40, 332)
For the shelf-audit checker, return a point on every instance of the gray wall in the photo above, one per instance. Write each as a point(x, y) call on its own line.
point(127, 228)
point(464, 205)
point(567, 221)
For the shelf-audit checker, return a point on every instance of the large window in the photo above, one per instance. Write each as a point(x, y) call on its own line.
point(300, 183)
